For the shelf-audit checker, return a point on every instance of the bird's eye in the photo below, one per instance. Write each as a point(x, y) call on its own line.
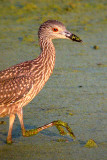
point(55, 29)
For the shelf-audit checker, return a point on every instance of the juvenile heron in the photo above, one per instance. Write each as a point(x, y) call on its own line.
point(21, 83)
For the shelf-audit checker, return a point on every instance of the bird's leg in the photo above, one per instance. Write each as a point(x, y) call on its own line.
point(11, 121)
point(59, 124)
point(20, 116)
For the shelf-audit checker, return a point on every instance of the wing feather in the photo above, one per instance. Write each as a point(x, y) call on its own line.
point(12, 90)
point(16, 71)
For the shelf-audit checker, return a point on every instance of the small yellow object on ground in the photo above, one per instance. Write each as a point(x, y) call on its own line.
point(96, 47)
point(90, 143)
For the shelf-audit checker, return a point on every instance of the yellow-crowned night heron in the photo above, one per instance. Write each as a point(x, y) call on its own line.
point(21, 83)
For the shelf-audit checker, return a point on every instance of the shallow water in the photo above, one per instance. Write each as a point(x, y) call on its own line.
point(75, 93)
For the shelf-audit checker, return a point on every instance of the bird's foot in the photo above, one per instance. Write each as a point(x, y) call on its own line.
point(9, 140)
point(59, 124)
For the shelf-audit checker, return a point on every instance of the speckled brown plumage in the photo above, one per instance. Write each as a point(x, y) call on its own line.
point(21, 83)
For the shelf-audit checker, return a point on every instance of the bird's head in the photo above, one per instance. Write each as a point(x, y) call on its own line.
point(53, 29)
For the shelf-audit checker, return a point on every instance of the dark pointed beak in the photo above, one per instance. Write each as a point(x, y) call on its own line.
point(73, 37)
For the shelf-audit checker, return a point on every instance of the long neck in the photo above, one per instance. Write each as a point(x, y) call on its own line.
point(46, 61)
point(47, 49)
point(48, 56)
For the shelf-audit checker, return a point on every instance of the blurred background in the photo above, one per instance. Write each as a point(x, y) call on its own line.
point(76, 93)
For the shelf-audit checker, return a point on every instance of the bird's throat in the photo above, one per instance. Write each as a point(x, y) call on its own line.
point(48, 57)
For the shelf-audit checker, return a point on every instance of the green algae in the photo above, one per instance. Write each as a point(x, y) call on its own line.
point(90, 143)
point(29, 38)
point(18, 10)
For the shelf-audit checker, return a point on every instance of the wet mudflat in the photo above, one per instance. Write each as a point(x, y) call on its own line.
point(75, 93)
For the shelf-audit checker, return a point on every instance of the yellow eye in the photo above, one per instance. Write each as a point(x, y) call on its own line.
point(55, 29)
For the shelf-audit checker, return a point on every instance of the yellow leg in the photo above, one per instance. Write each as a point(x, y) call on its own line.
point(11, 121)
point(59, 125)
